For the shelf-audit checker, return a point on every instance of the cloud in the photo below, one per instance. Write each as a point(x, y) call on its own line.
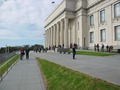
point(20, 20)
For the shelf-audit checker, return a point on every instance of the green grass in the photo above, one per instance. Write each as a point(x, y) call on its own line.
point(93, 53)
point(4, 68)
point(60, 78)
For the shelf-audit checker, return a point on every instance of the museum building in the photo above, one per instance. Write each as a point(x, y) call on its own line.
point(85, 23)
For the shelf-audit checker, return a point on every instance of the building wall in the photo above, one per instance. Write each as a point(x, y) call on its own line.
point(92, 2)
point(78, 13)
point(108, 25)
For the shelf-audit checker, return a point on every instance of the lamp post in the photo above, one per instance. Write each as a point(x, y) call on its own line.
point(6, 49)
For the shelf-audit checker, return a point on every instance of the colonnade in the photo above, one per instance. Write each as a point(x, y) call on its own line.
point(57, 34)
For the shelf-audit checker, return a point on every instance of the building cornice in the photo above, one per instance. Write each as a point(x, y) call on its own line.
point(54, 10)
point(94, 4)
point(68, 10)
point(65, 10)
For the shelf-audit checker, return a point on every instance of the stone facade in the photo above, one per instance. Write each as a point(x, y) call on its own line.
point(84, 22)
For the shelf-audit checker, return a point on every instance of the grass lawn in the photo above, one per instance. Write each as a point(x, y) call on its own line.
point(60, 78)
point(94, 53)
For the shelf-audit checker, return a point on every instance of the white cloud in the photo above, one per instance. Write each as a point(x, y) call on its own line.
point(24, 19)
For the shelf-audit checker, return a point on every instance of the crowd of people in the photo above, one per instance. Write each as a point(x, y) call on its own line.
point(101, 47)
point(73, 47)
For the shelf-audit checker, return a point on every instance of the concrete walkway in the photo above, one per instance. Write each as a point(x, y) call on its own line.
point(106, 68)
point(25, 75)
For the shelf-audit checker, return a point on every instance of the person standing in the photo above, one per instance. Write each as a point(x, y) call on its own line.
point(74, 51)
point(102, 48)
point(98, 47)
point(21, 53)
point(95, 47)
point(27, 53)
point(107, 48)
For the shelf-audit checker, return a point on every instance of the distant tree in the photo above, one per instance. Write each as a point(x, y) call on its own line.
point(2, 50)
point(36, 46)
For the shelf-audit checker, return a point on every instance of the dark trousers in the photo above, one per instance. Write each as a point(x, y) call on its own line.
point(73, 55)
point(21, 56)
point(27, 56)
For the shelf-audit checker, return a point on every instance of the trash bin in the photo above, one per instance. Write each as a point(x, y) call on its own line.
point(118, 50)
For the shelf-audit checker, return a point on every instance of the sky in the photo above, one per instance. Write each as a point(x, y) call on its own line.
point(22, 21)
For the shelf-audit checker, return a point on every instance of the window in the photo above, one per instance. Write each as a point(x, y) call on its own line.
point(91, 37)
point(103, 35)
point(102, 16)
point(117, 33)
point(117, 10)
point(91, 20)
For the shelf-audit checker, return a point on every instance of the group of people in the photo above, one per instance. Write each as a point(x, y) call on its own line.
point(24, 52)
point(97, 47)
point(73, 46)
point(40, 49)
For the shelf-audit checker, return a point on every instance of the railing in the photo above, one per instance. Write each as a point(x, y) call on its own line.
point(7, 66)
point(5, 56)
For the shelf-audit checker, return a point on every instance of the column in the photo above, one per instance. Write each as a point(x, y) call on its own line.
point(49, 37)
point(45, 35)
point(66, 33)
point(45, 39)
point(62, 33)
point(58, 35)
point(54, 35)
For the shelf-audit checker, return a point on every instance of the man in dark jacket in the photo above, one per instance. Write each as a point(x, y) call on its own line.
point(27, 53)
point(74, 52)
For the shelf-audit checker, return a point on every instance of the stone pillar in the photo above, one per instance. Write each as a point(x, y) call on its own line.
point(47, 38)
point(62, 36)
point(54, 35)
point(51, 36)
point(65, 32)
point(57, 35)
point(45, 35)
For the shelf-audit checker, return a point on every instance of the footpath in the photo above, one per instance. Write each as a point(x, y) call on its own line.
point(25, 75)
point(105, 68)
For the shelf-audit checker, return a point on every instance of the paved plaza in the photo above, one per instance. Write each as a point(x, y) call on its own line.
point(25, 75)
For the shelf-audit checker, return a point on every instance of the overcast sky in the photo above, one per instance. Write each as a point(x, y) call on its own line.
point(22, 21)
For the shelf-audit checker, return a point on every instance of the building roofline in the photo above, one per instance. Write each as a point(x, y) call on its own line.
point(54, 10)
point(71, 11)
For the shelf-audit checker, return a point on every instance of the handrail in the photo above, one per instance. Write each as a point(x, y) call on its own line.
point(4, 70)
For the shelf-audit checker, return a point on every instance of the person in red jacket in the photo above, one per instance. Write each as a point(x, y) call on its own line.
point(21, 53)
